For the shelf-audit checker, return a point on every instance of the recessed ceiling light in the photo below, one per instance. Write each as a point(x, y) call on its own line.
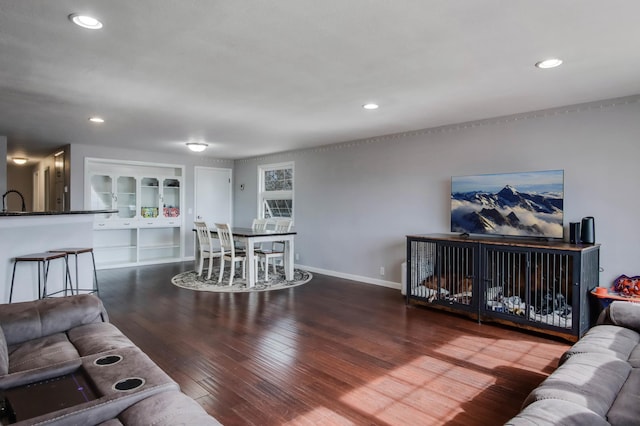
point(549, 63)
point(197, 146)
point(19, 160)
point(96, 120)
point(370, 106)
point(85, 21)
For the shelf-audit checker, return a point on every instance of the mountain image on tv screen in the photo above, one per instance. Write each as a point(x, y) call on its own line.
point(517, 204)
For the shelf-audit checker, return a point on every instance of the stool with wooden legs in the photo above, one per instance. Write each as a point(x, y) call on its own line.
point(75, 252)
point(43, 260)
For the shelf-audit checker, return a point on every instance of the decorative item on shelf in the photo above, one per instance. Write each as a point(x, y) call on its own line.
point(623, 288)
point(627, 286)
point(171, 211)
point(149, 212)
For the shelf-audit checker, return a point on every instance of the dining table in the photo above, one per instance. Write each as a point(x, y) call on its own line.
point(250, 237)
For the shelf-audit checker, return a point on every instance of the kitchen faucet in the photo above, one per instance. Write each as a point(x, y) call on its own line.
point(4, 209)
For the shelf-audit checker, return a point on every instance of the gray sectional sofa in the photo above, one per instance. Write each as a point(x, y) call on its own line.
point(63, 363)
point(598, 379)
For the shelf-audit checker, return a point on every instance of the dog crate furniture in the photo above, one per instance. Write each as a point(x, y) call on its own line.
point(538, 285)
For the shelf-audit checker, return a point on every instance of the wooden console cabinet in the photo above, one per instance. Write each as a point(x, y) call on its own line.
point(538, 285)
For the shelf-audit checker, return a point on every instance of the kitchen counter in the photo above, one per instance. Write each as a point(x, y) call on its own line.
point(24, 233)
point(23, 214)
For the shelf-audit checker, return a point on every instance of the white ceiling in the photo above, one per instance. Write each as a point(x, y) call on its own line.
point(256, 77)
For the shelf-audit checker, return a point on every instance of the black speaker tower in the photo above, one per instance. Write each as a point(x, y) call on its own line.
point(587, 230)
point(574, 232)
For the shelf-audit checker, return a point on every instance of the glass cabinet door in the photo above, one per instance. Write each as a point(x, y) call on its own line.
point(171, 198)
point(149, 198)
point(126, 197)
point(101, 193)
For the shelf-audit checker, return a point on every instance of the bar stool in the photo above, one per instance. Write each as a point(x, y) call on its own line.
point(43, 260)
point(75, 252)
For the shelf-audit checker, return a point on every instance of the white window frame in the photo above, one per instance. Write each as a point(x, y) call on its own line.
point(264, 195)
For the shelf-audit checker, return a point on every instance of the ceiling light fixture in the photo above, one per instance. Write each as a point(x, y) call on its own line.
point(19, 160)
point(197, 146)
point(370, 106)
point(85, 21)
point(549, 63)
point(96, 119)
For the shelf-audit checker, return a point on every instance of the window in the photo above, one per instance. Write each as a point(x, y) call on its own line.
point(275, 195)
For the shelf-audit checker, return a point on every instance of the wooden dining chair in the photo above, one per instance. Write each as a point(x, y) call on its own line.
point(276, 251)
point(229, 252)
point(206, 243)
point(259, 224)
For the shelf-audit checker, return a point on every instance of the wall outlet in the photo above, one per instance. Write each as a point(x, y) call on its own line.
point(297, 256)
point(382, 271)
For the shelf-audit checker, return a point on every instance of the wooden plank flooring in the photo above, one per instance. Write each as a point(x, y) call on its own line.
point(330, 352)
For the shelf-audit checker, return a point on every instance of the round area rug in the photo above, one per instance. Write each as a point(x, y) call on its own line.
point(190, 280)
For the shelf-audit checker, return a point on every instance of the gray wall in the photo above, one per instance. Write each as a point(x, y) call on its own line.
point(80, 151)
point(355, 202)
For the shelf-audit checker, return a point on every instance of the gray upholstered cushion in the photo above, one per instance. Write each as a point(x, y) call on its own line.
point(607, 340)
point(626, 408)
point(590, 380)
point(112, 422)
point(167, 409)
point(4, 355)
point(553, 412)
point(634, 357)
point(42, 352)
point(31, 320)
point(624, 314)
point(98, 337)
point(40, 359)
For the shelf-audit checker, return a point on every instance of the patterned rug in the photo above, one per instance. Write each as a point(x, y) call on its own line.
point(190, 280)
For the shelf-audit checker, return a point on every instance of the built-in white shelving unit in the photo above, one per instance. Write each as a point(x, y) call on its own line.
point(149, 224)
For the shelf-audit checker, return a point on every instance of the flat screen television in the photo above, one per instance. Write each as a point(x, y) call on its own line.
point(527, 204)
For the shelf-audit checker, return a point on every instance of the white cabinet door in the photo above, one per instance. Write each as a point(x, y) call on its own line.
point(213, 195)
point(100, 192)
point(126, 196)
point(171, 199)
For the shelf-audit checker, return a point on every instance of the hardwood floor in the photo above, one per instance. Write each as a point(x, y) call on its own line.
point(330, 352)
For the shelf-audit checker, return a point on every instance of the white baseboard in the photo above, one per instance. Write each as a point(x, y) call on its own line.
point(368, 280)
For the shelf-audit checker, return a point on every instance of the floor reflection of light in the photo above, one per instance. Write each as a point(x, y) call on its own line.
point(426, 388)
point(321, 416)
point(434, 388)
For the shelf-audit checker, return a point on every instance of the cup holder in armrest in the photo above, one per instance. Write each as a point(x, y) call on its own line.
point(108, 360)
point(128, 384)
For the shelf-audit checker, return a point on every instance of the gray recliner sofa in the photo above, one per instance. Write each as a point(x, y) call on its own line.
point(63, 363)
point(598, 379)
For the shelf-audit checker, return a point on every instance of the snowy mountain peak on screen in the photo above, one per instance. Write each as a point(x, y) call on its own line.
point(482, 212)
point(511, 197)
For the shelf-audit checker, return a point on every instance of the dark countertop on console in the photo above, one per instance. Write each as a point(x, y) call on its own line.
point(22, 214)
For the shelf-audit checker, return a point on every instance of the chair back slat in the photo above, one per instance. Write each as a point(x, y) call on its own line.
point(259, 224)
point(283, 225)
point(204, 235)
point(226, 238)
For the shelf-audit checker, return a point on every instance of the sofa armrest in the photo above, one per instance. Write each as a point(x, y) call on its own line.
point(623, 314)
point(25, 321)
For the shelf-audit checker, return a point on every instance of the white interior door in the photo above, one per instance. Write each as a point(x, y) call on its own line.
point(213, 198)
